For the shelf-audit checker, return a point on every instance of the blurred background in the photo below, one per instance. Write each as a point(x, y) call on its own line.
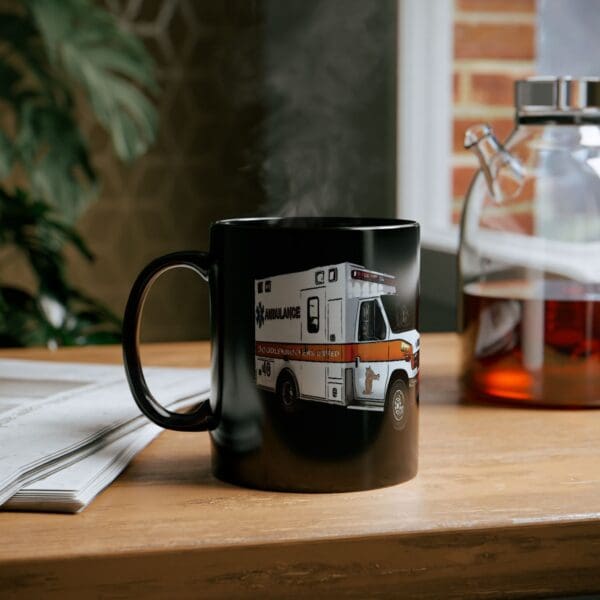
point(266, 107)
point(252, 107)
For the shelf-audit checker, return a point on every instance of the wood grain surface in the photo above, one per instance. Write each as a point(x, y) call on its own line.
point(506, 504)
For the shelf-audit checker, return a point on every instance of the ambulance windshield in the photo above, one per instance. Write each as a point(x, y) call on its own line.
point(398, 313)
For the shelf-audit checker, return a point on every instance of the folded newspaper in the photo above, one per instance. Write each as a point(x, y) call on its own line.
point(68, 429)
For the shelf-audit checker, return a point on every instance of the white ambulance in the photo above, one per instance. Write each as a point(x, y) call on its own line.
point(336, 334)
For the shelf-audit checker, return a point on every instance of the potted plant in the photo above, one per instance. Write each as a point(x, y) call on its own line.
point(58, 57)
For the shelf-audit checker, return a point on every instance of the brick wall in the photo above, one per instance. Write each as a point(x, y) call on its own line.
point(494, 44)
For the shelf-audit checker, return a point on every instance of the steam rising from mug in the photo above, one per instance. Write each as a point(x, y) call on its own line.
point(330, 126)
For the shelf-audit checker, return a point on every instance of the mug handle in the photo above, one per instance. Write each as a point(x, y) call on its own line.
point(202, 418)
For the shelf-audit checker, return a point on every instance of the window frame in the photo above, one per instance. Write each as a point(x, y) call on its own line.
point(383, 320)
point(309, 326)
point(424, 123)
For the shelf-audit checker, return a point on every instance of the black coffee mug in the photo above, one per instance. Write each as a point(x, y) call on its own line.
point(315, 352)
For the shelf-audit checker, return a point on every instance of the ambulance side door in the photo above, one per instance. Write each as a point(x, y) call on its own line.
point(334, 336)
point(312, 372)
point(371, 362)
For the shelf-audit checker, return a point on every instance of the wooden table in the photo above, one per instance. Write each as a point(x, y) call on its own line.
point(506, 503)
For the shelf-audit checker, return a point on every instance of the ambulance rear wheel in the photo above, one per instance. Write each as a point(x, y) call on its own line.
point(397, 403)
point(287, 392)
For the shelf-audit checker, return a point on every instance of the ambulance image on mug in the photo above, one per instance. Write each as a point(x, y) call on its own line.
point(337, 334)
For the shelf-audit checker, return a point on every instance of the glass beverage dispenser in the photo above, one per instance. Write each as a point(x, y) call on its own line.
point(530, 251)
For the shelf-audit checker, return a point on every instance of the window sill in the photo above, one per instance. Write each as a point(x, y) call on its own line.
point(440, 239)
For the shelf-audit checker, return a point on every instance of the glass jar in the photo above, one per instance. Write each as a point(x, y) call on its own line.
point(529, 257)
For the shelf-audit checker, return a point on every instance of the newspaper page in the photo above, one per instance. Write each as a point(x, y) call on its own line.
point(50, 412)
point(70, 488)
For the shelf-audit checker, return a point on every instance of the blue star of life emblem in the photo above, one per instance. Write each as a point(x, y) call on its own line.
point(260, 314)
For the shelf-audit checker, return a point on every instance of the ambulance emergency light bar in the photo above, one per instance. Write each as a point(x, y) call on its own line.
point(372, 277)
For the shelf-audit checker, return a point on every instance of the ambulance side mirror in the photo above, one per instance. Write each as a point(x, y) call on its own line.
point(356, 361)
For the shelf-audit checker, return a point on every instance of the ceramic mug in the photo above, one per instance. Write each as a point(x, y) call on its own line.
point(315, 351)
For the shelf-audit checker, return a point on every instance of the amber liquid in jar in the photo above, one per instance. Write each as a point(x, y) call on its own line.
point(532, 343)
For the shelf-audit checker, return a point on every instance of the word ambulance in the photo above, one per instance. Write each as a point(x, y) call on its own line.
point(336, 334)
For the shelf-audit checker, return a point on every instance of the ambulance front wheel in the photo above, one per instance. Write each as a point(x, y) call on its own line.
point(397, 403)
point(287, 393)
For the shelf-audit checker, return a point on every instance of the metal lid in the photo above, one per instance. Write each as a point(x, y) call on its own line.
point(558, 99)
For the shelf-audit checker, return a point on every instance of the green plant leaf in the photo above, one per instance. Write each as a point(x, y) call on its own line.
point(32, 227)
point(25, 55)
point(87, 44)
point(55, 157)
point(9, 76)
point(21, 320)
point(70, 235)
point(6, 155)
point(49, 51)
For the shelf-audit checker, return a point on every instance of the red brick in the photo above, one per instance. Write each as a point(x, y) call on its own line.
point(521, 6)
point(501, 127)
point(461, 180)
point(494, 40)
point(517, 222)
point(456, 215)
point(456, 87)
point(492, 89)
